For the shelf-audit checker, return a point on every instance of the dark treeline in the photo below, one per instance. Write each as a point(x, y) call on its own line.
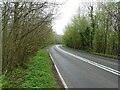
point(26, 28)
point(97, 30)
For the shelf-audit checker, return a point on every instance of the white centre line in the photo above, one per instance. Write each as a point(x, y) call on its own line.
point(91, 62)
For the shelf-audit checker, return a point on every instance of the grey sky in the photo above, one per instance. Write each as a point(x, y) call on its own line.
point(67, 11)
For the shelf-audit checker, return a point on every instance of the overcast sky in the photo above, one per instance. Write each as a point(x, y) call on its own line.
point(67, 11)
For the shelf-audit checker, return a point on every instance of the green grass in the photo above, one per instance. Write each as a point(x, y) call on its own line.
point(10, 80)
point(95, 53)
point(106, 55)
point(38, 74)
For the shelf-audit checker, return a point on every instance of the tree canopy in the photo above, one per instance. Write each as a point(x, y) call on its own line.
point(97, 31)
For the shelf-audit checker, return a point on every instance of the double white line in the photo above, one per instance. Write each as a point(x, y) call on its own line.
point(92, 63)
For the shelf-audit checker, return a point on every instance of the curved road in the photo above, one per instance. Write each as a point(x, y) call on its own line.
point(82, 70)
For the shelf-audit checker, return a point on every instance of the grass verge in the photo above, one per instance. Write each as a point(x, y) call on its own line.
point(105, 55)
point(38, 74)
point(95, 53)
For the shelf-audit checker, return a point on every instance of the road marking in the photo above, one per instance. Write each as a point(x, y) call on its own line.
point(92, 62)
point(61, 78)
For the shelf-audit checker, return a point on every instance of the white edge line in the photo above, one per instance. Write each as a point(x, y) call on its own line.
point(61, 78)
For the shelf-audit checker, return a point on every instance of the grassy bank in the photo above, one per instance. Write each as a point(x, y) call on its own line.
point(38, 74)
point(95, 53)
point(105, 55)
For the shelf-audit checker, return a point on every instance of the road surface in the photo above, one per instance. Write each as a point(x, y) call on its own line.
point(81, 70)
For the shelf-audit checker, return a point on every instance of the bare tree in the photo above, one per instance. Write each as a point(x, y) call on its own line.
point(26, 28)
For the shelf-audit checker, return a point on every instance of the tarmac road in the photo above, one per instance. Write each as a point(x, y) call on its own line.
point(82, 70)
